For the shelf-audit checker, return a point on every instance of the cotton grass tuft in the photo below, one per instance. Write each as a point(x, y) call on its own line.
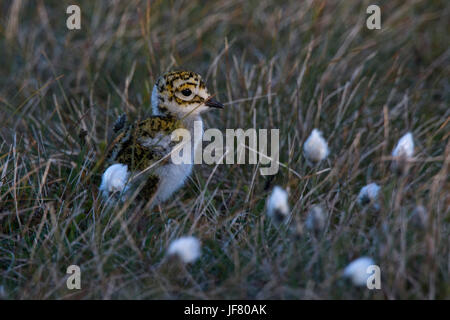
point(277, 205)
point(315, 148)
point(316, 219)
point(403, 151)
point(187, 248)
point(369, 194)
point(114, 179)
point(405, 147)
point(356, 271)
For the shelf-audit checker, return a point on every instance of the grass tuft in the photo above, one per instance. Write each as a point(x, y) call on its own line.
point(295, 66)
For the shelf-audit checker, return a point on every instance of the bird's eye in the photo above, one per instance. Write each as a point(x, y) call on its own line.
point(186, 92)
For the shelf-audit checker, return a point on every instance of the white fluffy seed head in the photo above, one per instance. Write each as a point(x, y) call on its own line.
point(187, 248)
point(114, 179)
point(405, 147)
point(368, 194)
point(277, 205)
point(357, 271)
point(315, 148)
point(316, 219)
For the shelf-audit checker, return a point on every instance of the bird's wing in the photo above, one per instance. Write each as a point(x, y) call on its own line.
point(141, 144)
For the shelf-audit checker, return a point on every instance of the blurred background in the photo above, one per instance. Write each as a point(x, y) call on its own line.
point(291, 65)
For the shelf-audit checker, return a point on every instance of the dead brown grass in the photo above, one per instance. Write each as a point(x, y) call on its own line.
point(294, 65)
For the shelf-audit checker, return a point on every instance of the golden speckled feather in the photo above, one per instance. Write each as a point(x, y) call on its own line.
point(143, 148)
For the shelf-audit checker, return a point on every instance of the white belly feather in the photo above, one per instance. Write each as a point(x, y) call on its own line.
point(173, 176)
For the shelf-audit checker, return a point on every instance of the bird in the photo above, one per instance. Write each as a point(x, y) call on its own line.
point(139, 155)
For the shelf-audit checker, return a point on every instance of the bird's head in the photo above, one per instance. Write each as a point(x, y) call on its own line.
point(182, 94)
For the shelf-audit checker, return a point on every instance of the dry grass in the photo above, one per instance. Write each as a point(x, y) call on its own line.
point(314, 63)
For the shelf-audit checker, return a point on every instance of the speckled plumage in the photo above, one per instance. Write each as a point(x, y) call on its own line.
point(132, 144)
point(144, 147)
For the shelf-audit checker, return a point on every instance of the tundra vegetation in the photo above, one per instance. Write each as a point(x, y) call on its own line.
point(288, 65)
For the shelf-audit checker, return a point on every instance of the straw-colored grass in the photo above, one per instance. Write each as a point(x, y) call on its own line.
point(292, 65)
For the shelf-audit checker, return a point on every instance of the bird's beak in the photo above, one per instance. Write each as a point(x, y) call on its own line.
point(213, 103)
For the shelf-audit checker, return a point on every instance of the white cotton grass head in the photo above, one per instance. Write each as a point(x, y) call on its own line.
point(403, 151)
point(277, 205)
point(356, 271)
point(404, 148)
point(315, 148)
point(114, 179)
point(419, 217)
point(316, 219)
point(187, 248)
point(368, 194)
